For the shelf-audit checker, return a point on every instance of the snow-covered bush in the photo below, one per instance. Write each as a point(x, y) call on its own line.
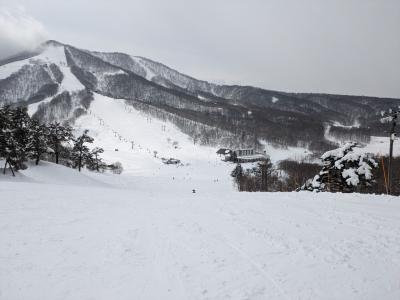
point(344, 170)
point(116, 168)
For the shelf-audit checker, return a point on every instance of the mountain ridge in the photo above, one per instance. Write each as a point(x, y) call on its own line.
point(32, 53)
point(251, 114)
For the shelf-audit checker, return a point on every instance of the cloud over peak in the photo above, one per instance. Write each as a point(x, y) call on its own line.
point(19, 31)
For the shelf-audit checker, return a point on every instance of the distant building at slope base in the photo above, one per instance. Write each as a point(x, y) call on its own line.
point(242, 155)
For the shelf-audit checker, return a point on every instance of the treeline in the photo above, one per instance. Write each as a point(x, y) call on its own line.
point(199, 128)
point(236, 126)
point(30, 82)
point(286, 176)
point(23, 138)
point(362, 135)
point(380, 183)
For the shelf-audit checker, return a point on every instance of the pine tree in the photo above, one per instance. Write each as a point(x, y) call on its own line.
point(10, 151)
point(94, 162)
point(5, 123)
point(237, 174)
point(344, 170)
point(13, 137)
point(59, 134)
point(22, 137)
point(265, 168)
point(80, 152)
point(7, 143)
point(38, 140)
point(20, 124)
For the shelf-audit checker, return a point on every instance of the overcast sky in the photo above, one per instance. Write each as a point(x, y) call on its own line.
point(332, 46)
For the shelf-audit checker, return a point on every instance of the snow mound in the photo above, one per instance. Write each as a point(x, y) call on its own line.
point(50, 173)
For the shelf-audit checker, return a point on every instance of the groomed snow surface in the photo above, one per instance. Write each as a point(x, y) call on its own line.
point(70, 235)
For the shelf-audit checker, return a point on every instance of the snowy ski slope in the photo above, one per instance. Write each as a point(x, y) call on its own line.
point(66, 235)
point(114, 126)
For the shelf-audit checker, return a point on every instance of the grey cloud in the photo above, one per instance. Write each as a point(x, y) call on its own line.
point(18, 32)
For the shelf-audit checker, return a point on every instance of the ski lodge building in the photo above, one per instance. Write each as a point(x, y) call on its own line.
point(241, 155)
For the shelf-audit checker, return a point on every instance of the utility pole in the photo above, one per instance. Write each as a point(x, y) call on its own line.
point(392, 137)
point(392, 116)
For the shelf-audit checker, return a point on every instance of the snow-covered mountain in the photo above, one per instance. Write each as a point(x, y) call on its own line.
point(60, 82)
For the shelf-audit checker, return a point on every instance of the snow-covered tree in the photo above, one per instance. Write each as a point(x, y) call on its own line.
point(22, 137)
point(14, 133)
point(59, 134)
point(237, 174)
point(38, 141)
point(20, 122)
point(265, 169)
point(94, 161)
point(80, 152)
point(7, 142)
point(5, 125)
point(9, 150)
point(344, 170)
